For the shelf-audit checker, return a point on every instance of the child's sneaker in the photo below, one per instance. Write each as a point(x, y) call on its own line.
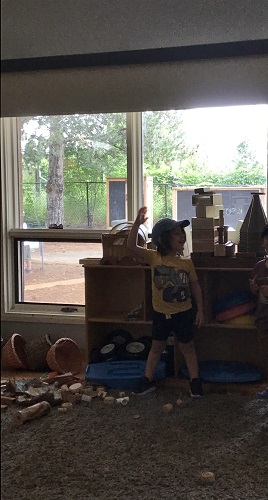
point(262, 394)
point(196, 389)
point(145, 386)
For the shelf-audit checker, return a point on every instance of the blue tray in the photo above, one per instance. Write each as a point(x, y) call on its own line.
point(121, 374)
point(226, 372)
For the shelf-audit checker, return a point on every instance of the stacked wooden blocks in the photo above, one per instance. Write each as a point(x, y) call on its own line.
point(209, 235)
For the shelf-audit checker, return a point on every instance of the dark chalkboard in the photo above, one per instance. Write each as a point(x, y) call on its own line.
point(117, 200)
point(235, 202)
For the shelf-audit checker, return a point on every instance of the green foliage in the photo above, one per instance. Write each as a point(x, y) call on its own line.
point(95, 148)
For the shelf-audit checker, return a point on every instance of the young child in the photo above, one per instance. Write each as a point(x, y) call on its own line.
point(174, 280)
point(259, 286)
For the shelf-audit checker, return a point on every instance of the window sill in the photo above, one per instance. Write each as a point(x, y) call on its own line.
point(77, 318)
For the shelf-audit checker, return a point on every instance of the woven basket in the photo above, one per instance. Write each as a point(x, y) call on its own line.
point(36, 351)
point(64, 356)
point(114, 244)
point(13, 353)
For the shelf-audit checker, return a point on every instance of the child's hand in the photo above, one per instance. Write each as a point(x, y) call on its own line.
point(199, 320)
point(141, 217)
point(263, 289)
point(253, 285)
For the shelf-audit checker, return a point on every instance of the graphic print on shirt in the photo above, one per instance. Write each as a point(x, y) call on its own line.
point(174, 283)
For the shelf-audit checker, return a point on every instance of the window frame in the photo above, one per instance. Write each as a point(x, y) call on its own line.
point(10, 222)
point(11, 234)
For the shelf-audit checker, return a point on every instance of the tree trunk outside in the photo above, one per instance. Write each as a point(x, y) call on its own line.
point(55, 183)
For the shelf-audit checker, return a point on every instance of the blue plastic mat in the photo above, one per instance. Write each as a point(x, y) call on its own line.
point(121, 374)
point(226, 372)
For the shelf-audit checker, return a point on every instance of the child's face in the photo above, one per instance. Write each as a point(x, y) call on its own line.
point(177, 239)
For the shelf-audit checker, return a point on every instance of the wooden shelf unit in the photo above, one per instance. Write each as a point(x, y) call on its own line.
point(113, 291)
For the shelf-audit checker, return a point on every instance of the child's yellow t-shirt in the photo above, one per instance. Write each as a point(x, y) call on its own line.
point(171, 278)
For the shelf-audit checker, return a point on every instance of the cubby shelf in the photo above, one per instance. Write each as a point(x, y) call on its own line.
point(113, 291)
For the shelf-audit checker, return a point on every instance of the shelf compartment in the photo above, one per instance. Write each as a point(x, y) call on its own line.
point(97, 330)
point(115, 289)
point(227, 345)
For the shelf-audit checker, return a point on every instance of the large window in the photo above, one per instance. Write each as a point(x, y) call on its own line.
point(86, 173)
point(67, 162)
point(223, 149)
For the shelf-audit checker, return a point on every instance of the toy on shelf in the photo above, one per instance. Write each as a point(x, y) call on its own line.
point(209, 234)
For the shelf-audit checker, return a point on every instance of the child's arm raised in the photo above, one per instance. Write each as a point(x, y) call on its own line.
point(137, 250)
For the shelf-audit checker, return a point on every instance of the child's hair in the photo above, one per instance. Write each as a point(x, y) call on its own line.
point(164, 247)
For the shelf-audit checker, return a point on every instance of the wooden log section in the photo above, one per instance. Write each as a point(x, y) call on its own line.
point(32, 412)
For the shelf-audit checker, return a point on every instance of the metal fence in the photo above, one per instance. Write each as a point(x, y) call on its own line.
point(85, 204)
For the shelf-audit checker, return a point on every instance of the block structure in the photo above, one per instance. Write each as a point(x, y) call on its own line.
point(209, 235)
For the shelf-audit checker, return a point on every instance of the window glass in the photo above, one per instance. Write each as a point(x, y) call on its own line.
point(67, 164)
point(73, 175)
point(220, 149)
point(51, 273)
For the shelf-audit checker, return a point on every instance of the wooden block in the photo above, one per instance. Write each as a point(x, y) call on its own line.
point(219, 250)
point(203, 245)
point(74, 388)
point(230, 248)
point(67, 405)
point(203, 223)
point(208, 211)
point(204, 234)
point(32, 412)
point(109, 400)
point(6, 400)
point(221, 218)
point(224, 249)
point(206, 199)
point(168, 408)
point(200, 257)
point(68, 397)
point(245, 255)
point(86, 398)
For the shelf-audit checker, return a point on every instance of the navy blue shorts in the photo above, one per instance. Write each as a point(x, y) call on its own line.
point(181, 324)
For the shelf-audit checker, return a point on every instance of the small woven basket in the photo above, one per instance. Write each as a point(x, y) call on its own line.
point(36, 351)
point(114, 244)
point(13, 353)
point(64, 356)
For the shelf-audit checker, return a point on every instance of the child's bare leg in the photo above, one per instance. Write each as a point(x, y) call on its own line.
point(154, 356)
point(189, 354)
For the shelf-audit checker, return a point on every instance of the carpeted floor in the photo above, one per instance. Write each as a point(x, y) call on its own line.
point(138, 452)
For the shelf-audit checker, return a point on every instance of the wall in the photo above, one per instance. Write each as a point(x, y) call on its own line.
point(36, 330)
